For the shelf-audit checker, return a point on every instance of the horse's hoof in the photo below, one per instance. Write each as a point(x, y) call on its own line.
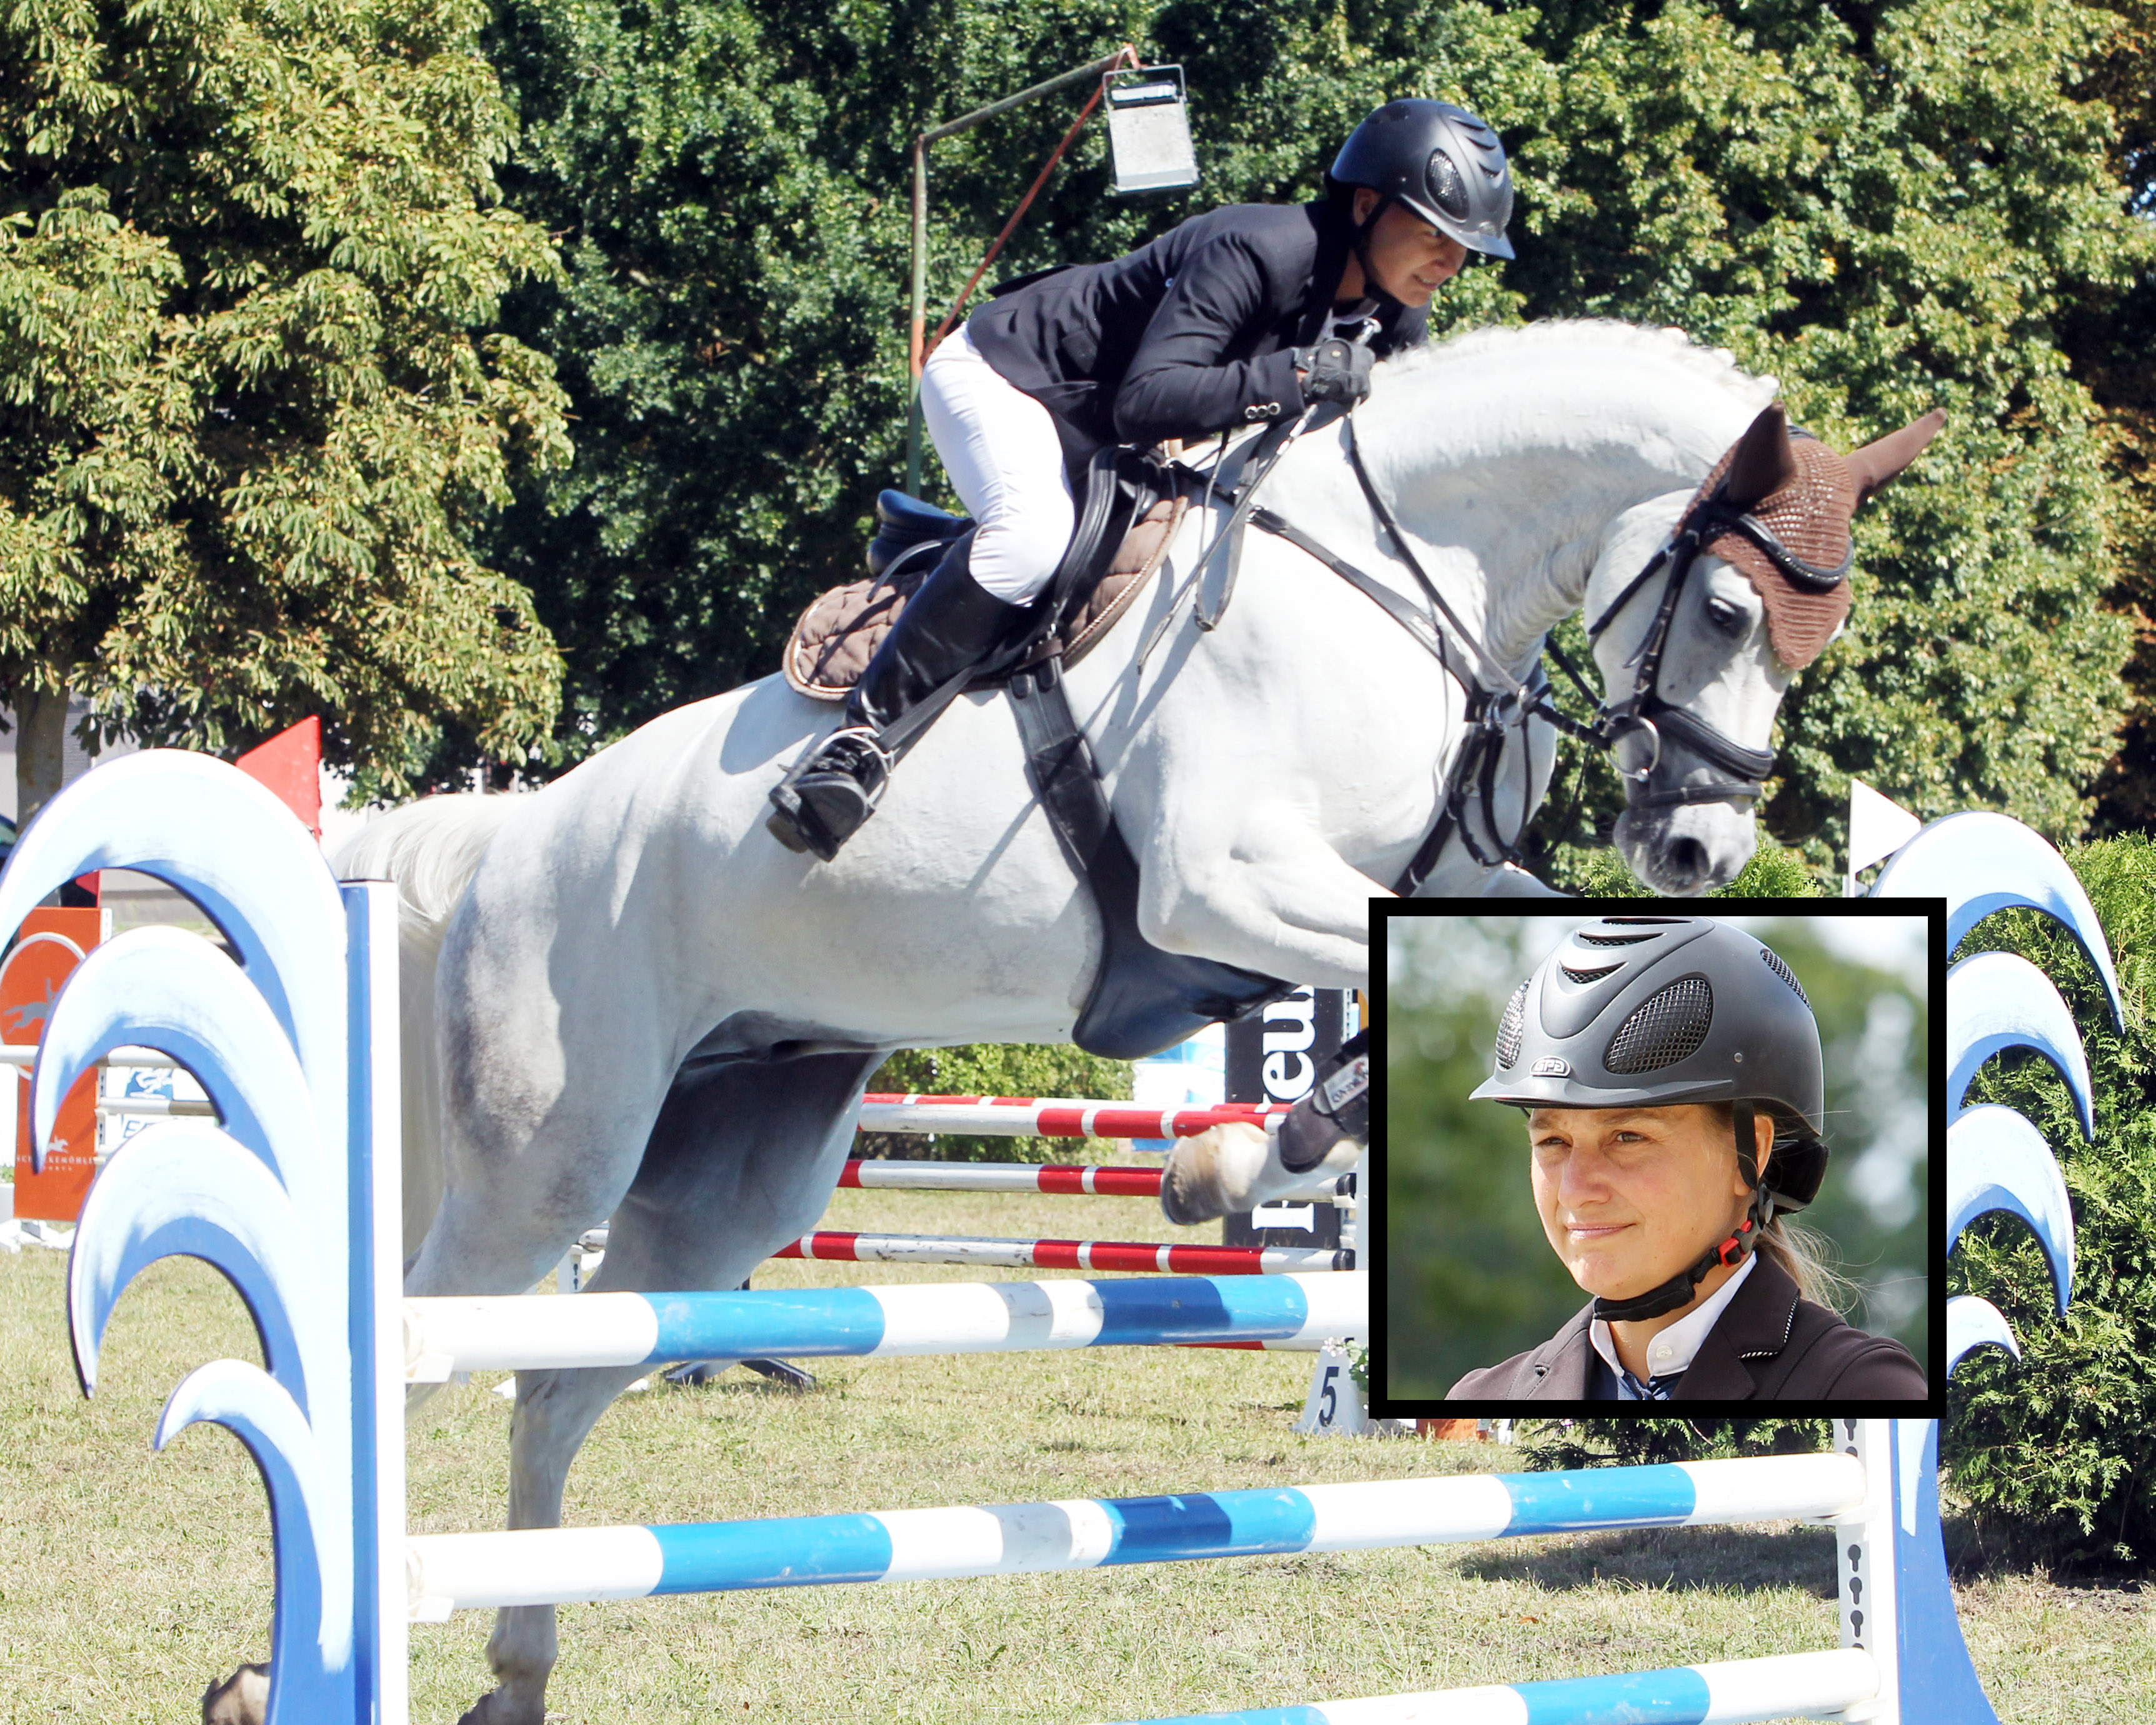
point(241, 1699)
point(495, 1707)
point(1215, 1173)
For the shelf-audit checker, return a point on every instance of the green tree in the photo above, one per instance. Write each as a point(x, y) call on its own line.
point(1889, 208)
point(250, 411)
point(2107, 337)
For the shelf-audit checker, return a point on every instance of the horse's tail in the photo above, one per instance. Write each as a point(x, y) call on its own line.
point(430, 849)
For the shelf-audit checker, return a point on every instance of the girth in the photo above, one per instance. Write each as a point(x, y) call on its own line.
point(1143, 999)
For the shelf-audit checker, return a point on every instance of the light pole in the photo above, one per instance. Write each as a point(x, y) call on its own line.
point(916, 332)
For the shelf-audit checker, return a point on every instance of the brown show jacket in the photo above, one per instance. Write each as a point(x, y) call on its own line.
point(1769, 1344)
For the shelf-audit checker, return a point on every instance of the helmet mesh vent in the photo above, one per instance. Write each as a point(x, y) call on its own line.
point(1667, 1027)
point(1510, 1026)
point(1611, 939)
point(1775, 964)
point(1591, 972)
point(1446, 188)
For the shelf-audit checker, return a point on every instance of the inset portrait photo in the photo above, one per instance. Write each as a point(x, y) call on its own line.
point(1632, 1156)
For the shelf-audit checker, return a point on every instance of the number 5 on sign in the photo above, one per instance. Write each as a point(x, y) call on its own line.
point(1334, 1406)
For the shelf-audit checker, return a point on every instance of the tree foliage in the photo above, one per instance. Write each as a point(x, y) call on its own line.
point(1889, 209)
point(251, 412)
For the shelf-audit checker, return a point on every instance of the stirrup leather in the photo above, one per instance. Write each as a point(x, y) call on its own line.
point(829, 795)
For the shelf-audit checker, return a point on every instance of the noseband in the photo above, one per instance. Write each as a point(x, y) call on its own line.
point(1633, 730)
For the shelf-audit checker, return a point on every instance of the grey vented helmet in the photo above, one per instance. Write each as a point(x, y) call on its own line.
point(1653, 1011)
point(1443, 163)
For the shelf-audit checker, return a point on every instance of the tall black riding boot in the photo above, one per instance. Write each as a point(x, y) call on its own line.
point(948, 628)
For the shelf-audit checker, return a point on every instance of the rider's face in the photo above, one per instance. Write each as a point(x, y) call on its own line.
point(1629, 1197)
point(1409, 258)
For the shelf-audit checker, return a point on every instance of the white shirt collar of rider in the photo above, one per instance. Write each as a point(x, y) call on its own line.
point(1356, 323)
point(1670, 1350)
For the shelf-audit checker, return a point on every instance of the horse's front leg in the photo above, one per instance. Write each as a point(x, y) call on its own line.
point(1274, 899)
point(555, 1412)
point(1271, 896)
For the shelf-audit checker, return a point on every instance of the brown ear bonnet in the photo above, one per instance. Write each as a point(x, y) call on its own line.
point(1805, 494)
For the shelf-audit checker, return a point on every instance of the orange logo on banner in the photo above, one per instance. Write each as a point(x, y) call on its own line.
point(53, 943)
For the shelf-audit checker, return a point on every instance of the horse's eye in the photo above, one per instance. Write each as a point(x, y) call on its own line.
point(1723, 615)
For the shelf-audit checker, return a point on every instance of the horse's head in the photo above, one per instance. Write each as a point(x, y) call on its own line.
point(1700, 607)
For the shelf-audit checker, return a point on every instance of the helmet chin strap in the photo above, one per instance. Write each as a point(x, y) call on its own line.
point(1679, 1289)
point(1359, 245)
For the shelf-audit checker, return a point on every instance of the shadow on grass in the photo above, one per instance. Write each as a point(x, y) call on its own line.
point(1736, 1558)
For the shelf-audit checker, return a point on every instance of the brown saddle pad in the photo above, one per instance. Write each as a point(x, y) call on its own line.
point(839, 632)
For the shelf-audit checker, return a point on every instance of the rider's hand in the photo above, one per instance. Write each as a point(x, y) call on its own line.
point(1335, 370)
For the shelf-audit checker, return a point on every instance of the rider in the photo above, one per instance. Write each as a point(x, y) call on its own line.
point(1223, 321)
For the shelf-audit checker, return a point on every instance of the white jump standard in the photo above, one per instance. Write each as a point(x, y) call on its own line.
point(294, 1194)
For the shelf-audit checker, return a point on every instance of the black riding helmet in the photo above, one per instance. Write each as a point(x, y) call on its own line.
point(1441, 162)
point(1653, 1011)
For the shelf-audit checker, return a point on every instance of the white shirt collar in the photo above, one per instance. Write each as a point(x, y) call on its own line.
point(1670, 1351)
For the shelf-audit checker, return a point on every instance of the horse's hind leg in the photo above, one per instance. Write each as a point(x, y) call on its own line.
point(743, 1158)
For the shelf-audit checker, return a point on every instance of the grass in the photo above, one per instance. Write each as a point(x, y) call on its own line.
point(128, 1578)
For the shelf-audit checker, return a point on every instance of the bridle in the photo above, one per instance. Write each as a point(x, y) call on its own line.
point(1632, 730)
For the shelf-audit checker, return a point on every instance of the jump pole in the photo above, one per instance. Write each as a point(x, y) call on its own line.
point(295, 1199)
point(1069, 1179)
point(520, 1332)
point(455, 1572)
point(1050, 1116)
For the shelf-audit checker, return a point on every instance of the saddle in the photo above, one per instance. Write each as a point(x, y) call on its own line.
point(1127, 518)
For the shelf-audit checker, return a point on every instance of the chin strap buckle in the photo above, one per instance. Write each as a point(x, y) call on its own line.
point(1733, 1250)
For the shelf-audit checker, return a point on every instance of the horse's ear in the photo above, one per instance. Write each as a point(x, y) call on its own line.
point(1876, 463)
point(1763, 462)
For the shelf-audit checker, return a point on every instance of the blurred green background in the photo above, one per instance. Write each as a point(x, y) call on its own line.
point(1470, 1280)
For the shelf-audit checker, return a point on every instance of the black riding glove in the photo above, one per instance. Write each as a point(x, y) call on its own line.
point(1335, 370)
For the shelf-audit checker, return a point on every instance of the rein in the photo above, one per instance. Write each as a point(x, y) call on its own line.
point(1632, 730)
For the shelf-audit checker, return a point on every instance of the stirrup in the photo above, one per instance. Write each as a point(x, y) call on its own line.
point(829, 795)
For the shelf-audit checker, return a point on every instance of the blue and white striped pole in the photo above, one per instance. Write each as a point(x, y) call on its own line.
point(451, 1572)
point(1791, 1685)
point(528, 1332)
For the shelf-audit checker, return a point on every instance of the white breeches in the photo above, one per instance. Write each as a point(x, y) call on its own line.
point(999, 446)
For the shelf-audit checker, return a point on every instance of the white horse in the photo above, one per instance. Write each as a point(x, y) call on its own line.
point(624, 999)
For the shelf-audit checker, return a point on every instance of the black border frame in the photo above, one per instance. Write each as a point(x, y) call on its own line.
point(1373, 1236)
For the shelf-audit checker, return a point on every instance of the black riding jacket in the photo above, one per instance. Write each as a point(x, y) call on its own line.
point(1190, 334)
point(1769, 1344)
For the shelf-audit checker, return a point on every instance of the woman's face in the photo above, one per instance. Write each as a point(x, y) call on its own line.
point(1409, 258)
point(1631, 1196)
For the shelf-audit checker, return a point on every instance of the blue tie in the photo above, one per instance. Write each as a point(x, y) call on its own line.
point(1655, 1389)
